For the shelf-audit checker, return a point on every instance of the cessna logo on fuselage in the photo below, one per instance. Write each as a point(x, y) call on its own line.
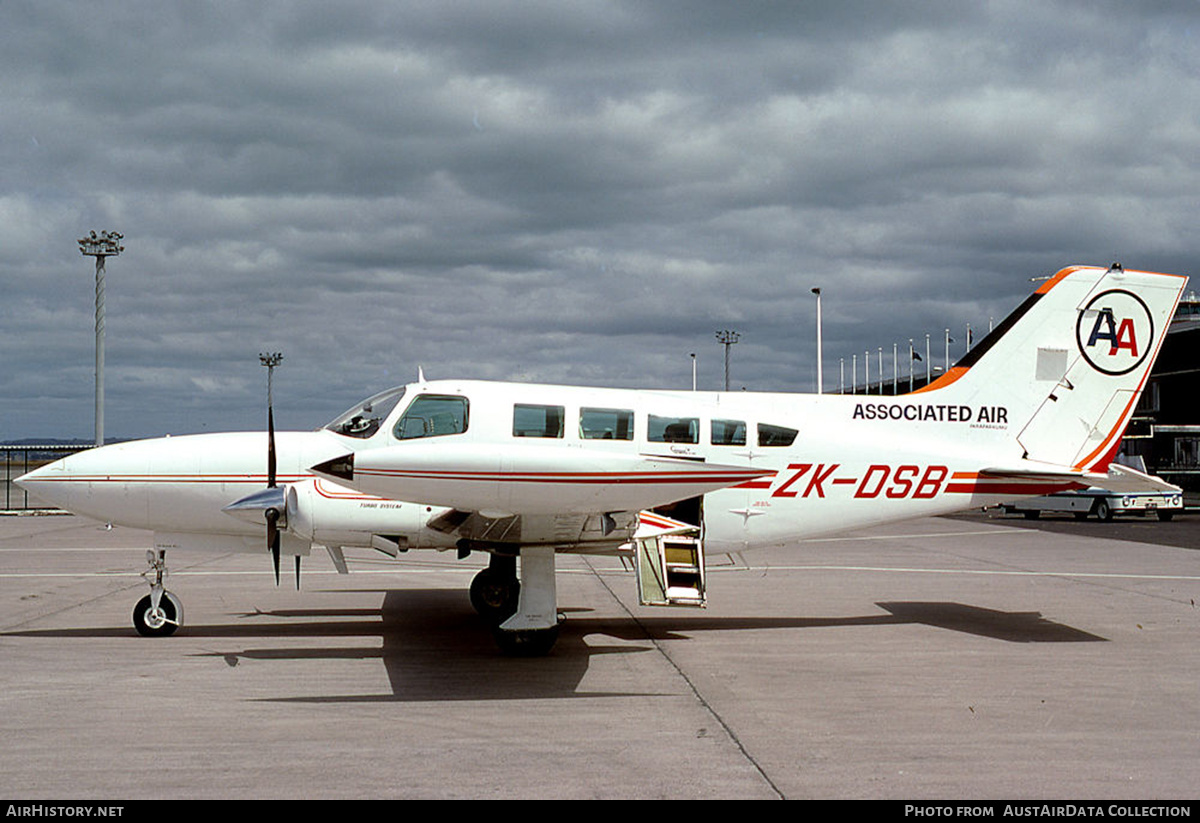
point(1114, 332)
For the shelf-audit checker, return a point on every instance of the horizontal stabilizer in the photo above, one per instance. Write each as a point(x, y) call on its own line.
point(1126, 480)
point(1118, 478)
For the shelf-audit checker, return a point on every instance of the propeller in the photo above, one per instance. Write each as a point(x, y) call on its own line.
point(272, 503)
point(272, 514)
point(277, 507)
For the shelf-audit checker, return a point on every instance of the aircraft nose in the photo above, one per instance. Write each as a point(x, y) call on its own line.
point(46, 483)
point(88, 482)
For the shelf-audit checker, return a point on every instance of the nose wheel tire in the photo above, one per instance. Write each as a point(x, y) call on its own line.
point(157, 622)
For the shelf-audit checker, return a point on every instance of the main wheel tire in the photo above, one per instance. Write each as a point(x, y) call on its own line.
point(157, 623)
point(495, 595)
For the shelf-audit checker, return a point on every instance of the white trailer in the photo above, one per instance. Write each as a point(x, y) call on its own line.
point(1104, 504)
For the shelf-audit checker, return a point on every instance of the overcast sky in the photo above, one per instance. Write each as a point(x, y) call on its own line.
point(579, 192)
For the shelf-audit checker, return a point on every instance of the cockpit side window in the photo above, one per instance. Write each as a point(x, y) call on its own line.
point(673, 429)
point(537, 421)
point(432, 415)
point(364, 420)
point(769, 435)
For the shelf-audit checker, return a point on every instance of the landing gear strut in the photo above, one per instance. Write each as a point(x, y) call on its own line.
point(533, 629)
point(159, 613)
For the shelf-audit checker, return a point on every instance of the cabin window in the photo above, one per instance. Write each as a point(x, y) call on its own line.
point(537, 421)
point(729, 432)
point(775, 435)
point(605, 424)
point(432, 415)
point(673, 429)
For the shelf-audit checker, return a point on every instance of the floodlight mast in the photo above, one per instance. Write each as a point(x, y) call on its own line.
point(727, 338)
point(820, 356)
point(270, 360)
point(106, 244)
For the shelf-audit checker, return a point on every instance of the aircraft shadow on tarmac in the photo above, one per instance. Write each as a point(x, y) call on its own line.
point(435, 648)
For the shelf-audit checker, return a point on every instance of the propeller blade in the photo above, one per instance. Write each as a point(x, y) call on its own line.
point(297, 572)
point(272, 516)
point(270, 448)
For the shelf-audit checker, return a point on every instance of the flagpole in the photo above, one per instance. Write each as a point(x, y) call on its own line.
point(910, 365)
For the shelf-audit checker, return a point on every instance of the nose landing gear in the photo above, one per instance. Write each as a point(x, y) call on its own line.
point(159, 613)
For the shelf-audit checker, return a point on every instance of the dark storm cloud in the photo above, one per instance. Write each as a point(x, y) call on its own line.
point(557, 191)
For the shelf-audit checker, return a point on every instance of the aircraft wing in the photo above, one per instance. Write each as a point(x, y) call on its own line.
point(527, 480)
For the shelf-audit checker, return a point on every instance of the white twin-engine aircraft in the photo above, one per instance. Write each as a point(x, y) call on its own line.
point(523, 472)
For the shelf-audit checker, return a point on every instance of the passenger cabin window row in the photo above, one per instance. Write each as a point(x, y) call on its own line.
point(617, 424)
point(431, 415)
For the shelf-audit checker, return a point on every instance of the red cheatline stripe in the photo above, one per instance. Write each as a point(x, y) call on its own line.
point(754, 484)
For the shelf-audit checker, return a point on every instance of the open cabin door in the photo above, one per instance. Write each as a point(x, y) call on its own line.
point(670, 564)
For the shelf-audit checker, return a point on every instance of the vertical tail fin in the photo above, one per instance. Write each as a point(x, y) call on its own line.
point(1071, 362)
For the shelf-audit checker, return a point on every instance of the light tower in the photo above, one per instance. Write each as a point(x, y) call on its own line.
point(820, 375)
point(107, 244)
point(727, 338)
point(270, 360)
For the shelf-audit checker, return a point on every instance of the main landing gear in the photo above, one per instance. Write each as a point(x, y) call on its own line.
point(523, 613)
point(496, 589)
point(159, 613)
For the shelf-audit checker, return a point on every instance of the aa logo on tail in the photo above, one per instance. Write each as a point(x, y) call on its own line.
point(1114, 332)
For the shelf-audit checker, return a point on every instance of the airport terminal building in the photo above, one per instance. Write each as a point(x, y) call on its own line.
point(1165, 430)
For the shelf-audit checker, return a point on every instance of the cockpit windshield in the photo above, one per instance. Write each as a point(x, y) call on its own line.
point(364, 420)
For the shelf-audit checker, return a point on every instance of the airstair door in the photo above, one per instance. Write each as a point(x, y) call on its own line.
point(670, 569)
